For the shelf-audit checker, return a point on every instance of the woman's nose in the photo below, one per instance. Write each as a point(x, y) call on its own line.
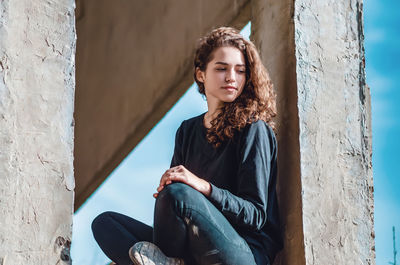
point(230, 75)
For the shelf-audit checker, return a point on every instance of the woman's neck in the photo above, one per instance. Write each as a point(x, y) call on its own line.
point(214, 108)
point(209, 116)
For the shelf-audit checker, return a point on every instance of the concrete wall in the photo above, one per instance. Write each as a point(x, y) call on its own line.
point(335, 132)
point(37, 76)
point(314, 51)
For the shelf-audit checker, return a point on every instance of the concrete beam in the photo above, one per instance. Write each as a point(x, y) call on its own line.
point(37, 80)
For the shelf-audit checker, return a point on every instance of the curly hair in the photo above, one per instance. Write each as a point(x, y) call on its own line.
point(257, 100)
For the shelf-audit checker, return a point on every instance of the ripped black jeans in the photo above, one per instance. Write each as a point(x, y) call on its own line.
point(186, 225)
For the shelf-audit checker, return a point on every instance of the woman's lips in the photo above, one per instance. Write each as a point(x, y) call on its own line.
point(230, 88)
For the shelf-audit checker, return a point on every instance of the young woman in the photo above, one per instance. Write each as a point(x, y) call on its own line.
point(216, 204)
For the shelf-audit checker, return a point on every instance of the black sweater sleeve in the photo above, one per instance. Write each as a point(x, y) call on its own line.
point(248, 208)
point(177, 157)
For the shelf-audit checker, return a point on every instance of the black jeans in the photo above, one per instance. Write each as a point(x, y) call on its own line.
point(186, 225)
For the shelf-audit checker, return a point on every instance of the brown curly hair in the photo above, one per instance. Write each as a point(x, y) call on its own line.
point(257, 100)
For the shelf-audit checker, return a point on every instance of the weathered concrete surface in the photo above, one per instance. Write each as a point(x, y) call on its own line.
point(273, 34)
point(37, 47)
point(134, 61)
point(335, 132)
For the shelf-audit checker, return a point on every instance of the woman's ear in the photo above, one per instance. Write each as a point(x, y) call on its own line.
point(199, 75)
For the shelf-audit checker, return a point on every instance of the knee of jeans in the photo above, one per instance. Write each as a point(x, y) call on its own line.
point(177, 192)
point(99, 221)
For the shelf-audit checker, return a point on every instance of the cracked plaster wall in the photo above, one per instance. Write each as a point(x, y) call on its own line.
point(37, 80)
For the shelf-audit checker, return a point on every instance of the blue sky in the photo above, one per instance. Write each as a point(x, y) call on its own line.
point(382, 49)
point(129, 188)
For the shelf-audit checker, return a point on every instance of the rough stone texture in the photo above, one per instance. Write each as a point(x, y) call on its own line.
point(273, 31)
point(37, 48)
point(335, 132)
point(134, 61)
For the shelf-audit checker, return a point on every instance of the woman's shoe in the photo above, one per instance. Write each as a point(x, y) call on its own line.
point(146, 253)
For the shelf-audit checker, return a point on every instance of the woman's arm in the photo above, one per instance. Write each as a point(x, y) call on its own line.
point(177, 157)
point(248, 207)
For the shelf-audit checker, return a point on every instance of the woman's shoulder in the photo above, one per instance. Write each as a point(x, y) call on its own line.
point(258, 132)
point(191, 123)
point(194, 119)
point(259, 128)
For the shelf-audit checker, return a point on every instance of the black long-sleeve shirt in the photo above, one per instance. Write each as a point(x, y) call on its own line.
point(242, 173)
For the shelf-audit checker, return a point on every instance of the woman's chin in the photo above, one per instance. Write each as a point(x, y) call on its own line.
point(228, 99)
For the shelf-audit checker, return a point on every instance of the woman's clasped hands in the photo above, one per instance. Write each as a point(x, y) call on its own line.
point(182, 174)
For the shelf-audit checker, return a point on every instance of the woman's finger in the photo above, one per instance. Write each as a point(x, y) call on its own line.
point(171, 175)
point(160, 188)
point(170, 171)
point(168, 179)
point(165, 177)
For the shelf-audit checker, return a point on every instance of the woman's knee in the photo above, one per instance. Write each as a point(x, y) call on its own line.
point(177, 191)
point(101, 220)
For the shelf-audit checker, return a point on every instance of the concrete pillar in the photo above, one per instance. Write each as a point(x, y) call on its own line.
point(335, 132)
point(314, 51)
point(37, 80)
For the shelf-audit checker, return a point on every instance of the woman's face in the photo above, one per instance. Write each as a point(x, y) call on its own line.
point(225, 75)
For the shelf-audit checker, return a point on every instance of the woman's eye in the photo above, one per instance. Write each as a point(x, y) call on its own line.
point(223, 69)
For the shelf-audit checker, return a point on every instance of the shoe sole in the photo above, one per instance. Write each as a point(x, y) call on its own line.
point(158, 256)
point(133, 258)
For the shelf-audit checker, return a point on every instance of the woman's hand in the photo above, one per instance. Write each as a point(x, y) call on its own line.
point(181, 174)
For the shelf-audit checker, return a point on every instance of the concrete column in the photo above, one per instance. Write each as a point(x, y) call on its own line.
point(314, 51)
point(335, 132)
point(37, 81)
